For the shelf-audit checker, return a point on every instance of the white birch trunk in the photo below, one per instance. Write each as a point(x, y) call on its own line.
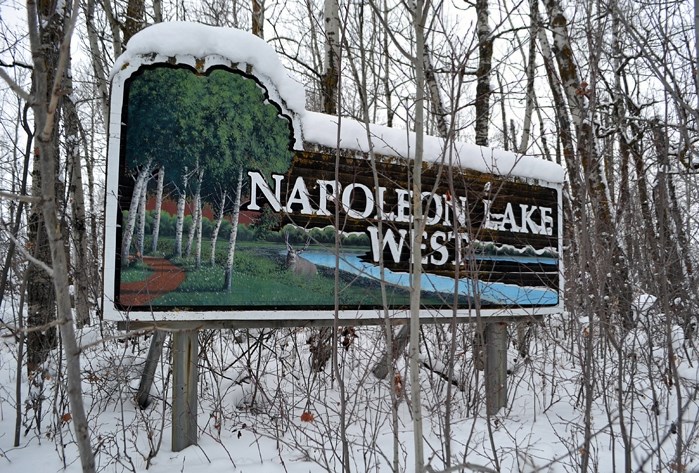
point(95, 275)
point(197, 252)
point(192, 228)
point(141, 231)
point(485, 56)
point(195, 214)
point(217, 228)
point(228, 272)
point(179, 226)
point(158, 208)
point(531, 69)
point(128, 230)
point(437, 106)
point(331, 65)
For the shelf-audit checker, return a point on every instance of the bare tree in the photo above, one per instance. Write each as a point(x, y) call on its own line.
point(50, 31)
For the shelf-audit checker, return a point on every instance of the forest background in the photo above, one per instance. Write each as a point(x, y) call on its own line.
point(606, 89)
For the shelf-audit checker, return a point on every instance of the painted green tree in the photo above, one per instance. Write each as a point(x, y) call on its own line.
point(154, 138)
point(215, 126)
point(255, 139)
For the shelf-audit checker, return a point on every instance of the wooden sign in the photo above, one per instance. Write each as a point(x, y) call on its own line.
point(220, 210)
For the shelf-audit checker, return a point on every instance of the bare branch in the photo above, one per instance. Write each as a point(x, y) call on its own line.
point(20, 246)
point(19, 197)
point(16, 88)
point(16, 64)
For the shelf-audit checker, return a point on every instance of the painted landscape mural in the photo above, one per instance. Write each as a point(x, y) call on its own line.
point(218, 212)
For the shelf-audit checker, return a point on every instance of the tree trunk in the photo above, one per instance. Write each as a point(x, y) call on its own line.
point(217, 228)
point(80, 270)
point(572, 206)
point(141, 230)
point(386, 78)
point(41, 298)
point(196, 213)
point(179, 226)
point(228, 271)
point(485, 59)
point(678, 274)
point(48, 32)
point(531, 69)
point(258, 18)
point(96, 59)
point(617, 287)
point(158, 208)
point(416, 244)
point(381, 369)
point(158, 11)
point(95, 240)
point(435, 100)
point(135, 19)
point(197, 253)
point(331, 66)
point(128, 231)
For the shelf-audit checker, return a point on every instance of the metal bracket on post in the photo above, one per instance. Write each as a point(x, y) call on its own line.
point(495, 366)
point(185, 352)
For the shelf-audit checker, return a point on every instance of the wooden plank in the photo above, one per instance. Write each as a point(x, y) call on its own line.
point(495, 367)
point(185, 376)
point(174, 326)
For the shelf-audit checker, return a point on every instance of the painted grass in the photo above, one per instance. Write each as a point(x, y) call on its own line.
point(260, 279)
point(135, 273)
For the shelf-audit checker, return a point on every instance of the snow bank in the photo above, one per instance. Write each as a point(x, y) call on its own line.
point(322, 129)
point(199, 41)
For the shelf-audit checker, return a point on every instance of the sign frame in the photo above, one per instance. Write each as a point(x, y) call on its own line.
point(267, 316)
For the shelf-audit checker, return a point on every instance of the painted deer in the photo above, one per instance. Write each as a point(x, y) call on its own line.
point(298, 265)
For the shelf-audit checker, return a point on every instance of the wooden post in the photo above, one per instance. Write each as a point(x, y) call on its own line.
point(154, 352)
point(495, 366)
point(185, 351)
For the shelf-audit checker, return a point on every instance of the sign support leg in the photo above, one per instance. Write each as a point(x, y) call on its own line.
point(185, 374)
point(495, 366)
point(154, 352)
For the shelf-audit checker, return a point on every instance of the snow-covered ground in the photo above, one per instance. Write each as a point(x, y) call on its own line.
point(262, 409)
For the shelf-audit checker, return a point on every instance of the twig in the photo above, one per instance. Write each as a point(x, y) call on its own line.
point(470, 466)
point(26, 253)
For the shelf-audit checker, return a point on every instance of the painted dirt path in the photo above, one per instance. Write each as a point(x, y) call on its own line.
point(166, 277)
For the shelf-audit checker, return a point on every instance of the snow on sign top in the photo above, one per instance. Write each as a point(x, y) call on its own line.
point(322, 129)
point(185, 38)
point(197, 40)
